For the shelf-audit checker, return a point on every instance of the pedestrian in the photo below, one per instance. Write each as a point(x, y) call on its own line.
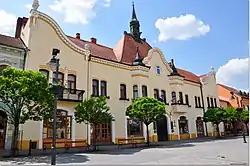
point(244, 132)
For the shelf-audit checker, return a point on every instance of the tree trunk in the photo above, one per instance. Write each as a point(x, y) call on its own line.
point(218, 130)
point(147, 136)
point(14, 140)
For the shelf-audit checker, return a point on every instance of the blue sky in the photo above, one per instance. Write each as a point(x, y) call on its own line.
point(220, 40)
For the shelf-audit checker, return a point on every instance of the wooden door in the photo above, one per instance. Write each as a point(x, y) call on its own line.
point(103, 133)
point(3, 126)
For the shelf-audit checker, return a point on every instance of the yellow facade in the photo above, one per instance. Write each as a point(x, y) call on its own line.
point(75, 60)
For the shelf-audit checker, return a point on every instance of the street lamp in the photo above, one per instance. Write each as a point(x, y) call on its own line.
point(54, 65)
point(239, 109)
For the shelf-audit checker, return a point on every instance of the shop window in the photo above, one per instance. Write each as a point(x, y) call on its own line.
point(63, 127)
point(134, 128)
point(183, 125)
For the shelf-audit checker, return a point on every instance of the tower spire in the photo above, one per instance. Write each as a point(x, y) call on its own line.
point(135, 25)
point(134, 18)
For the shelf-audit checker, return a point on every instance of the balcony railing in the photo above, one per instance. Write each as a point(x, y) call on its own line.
point(71, 95)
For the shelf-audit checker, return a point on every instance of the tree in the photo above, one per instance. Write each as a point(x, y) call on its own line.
point(216, 116)
point(24, 95)
point(146, 110)
point(93, 111)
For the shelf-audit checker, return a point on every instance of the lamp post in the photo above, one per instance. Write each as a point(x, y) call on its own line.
point(54, 64)
point(239, 109)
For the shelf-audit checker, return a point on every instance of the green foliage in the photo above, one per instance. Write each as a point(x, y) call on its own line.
point(146, 110)
point(94, 111)
point(245, 115)
point(25, 95)
point(215, 115)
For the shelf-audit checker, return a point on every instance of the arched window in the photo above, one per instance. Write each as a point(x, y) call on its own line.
point(173, 97)
point(2, 67)
point(156, 94)
point(103, 88)
point(163, 96)
point(63, 128)
point(45, 73)
point(60, 77)
point(183, 125)
point(95, 87)
point(135, 91)
point(71, 81)
point(144, 91)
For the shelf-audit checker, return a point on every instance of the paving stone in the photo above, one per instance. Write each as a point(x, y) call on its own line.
point(219, 152)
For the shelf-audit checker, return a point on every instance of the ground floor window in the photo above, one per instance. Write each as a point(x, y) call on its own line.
point(134, 128)
point(63, 126)
point(183, 125)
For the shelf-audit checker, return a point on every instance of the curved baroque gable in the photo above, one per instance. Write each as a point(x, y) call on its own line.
point(59, 32)
point(150, 55)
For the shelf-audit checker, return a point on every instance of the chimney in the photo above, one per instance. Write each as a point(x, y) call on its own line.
point(93, 40)
point(78, 35)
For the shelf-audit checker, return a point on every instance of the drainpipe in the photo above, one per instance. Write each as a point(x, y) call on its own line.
point(26, 49)
point(202, 99)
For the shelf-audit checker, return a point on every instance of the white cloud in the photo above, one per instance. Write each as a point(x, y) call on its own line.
point(180, 28)
point(234, 73)
point(7, 25)
point(78, 11)
point(28, 6)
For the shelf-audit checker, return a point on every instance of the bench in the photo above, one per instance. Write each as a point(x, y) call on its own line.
point(133, 141)
point(65, 144)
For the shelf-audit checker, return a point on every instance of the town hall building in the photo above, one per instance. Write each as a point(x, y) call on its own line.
point(131, 69)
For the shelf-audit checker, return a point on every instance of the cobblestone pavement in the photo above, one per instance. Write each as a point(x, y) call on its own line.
point(219, 152)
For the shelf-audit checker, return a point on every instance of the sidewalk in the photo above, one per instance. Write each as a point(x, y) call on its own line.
point(38, 152)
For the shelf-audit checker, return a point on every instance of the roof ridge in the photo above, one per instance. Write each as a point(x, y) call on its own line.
point(91, 42)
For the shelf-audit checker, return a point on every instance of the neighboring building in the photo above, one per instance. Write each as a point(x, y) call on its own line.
point(12, 53)
point(131, 69)
point(231, 97)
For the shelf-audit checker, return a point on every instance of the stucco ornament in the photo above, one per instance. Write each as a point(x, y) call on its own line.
point(35, 4)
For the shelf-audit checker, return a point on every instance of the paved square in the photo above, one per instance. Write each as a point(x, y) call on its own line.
point(218, 152)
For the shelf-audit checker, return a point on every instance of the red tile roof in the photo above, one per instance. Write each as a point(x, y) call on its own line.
point(188, 75)
point(229, 88)
point(125, 52)
point(11, 42)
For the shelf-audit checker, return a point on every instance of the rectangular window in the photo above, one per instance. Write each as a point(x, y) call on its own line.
point(212, 102)
point(187, 100)
point(123, 93)
point(103, 88)
point(64, 126)
point(156, 94)
point(215, 103)
point(71, 81)
point(144, 91)
point(135, 91)
point(208, 102)
point(199, 101)
point(180, 97)
point(134, 128)
point(95, 87)
point(195, 100)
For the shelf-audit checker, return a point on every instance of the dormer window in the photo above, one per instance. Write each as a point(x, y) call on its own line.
point(158, 70)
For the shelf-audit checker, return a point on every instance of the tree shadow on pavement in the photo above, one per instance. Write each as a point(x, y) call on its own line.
point(60, 159)
point(127, 151)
